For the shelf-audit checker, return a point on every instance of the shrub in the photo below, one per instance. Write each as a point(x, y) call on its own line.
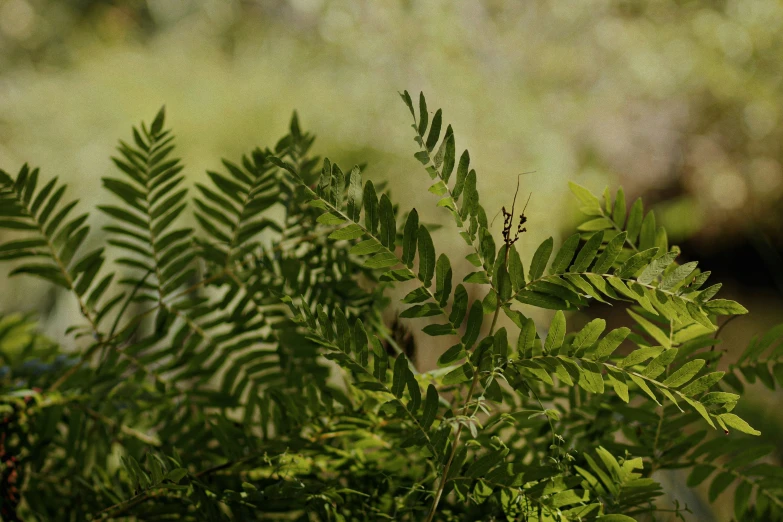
point(245, 371)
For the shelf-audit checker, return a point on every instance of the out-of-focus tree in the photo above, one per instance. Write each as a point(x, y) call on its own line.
point(681, 94)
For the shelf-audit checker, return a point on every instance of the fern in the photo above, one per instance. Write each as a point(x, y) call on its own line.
point(243, 368)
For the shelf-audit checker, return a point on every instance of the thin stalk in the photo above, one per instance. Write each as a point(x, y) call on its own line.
point(447, 467)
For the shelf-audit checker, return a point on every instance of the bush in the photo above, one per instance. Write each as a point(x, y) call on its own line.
point(245, 371)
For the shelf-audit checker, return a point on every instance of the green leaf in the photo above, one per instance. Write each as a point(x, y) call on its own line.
point(635, 220)
point(381, 360)
point(474, 259)
point(330, 219)
point(527, 339)
point(439, 329)
point(352, 231)
point(422, 156)
point(738, 424)
point(338, 185)
point(453, 354)
point(48, 272)
point(22, 244)
point(618, 214)
point(595, 225)
point(423, 115)
point(175, 475)
point(480, 277)
point(448, 158)
point(407, 99)
point(636, 262)
point(741, 499)
point(699, 473)
point(462, 374)
point(228, 187)
point(423, 310)
point(426, 256)
point(541, 300)
point(684, 374)
point(382, 260)
point(503, 284)
point(590, 378)
point(639, 356)
point(515, 270)
point(610, 254)
point(430, 407)
point(417, 295)
point(643, 386)
point(126, 192)
point(371, 216)
point(657, 267)
point(399, 375)
point(369, 246)
point(719, 485)
point(122, 215)
point(588, 335)
point(617, 380)
point(413, 390)
point(708, 293)
point(715, 397)
point(487, 246)
point(655, 332)
point(52, 203)
point(388, 225)
point(587, 253)
point(410, 235)
point(443, 280)
point(157, 123)
point(658, 365)
point(590, 204)
point(483, 464)
point(470, 204)
point(725, 307)
point(648, 232)
point(554, 339)
point(462, 174)
point(16, 225)
point(473, 328)
point(609, 344)
point(459, 306)
point(434, 134)
point(565, 255)
point(677, 276)
point(702, 384)
point(535, 369)
point(500, 347)
point(42, 195)
point(540, 259)
point(354, 194)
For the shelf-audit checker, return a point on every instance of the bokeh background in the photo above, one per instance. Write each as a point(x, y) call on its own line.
point(678, 101)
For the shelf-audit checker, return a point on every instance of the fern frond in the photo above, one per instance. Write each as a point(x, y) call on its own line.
point(51, 239)
point(726, 463)
point(151, 204)
point(231, 212)
point(379, 247)
point(471, 217)
point(648, 277)
point(762, 359)
point(367, 359)
point(585, 361)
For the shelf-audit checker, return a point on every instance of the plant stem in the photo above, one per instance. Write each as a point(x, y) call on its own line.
point(447, 467)
point(454, 446)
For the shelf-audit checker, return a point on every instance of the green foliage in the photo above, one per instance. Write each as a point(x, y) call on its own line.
point(244, 370)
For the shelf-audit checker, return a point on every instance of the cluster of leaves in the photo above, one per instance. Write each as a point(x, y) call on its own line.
point(244, 370)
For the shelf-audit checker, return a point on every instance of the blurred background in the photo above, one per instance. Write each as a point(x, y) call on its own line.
point(678, 101)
